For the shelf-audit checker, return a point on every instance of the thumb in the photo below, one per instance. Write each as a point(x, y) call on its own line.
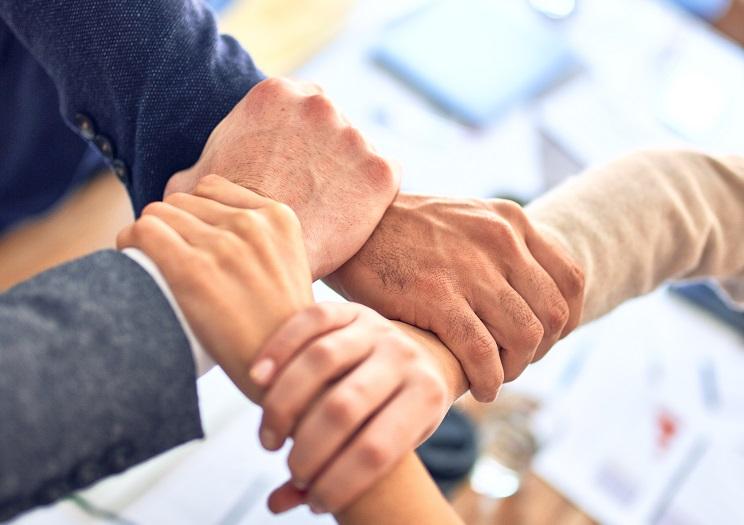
point(285, 498)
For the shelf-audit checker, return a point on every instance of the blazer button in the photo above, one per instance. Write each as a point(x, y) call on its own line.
point(104, 146)
point(120, 457)
point(121, 171)
point(85, 126)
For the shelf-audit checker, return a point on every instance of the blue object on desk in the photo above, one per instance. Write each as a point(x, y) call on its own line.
point(709, 9)
point(704, 296)
point(475, 58)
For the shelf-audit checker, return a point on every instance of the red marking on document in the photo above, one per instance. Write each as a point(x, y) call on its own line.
point(668, 428)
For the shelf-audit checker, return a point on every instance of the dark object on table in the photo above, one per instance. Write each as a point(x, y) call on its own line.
point(450, 453)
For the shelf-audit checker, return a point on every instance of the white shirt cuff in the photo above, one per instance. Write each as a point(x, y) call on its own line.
point(202, 361)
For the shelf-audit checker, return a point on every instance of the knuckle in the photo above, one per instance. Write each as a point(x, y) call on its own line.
point(153, 208)
point(144, 226)
point(533, 334)
point(506, 236)
point(283, 216)
point(319, 106)
point(242, 223)
point(176, 199)
point(352, 138)
point(372, 455)
point(270, 86)
point(379, 173)
point(556, 317)
point(320, 314)
point(323, 355)
point(225, 247)
point(512, 211)
point(339, 409)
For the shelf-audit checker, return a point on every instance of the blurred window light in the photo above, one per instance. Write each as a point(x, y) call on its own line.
point(554, 8)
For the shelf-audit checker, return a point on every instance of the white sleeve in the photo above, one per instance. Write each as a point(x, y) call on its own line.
point(202, 361)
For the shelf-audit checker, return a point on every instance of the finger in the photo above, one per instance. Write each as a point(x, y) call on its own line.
point(189, 227)
point(315, 366)
point(298, 331)
point(159, 242)
point(373, 452)
point(566, 274)
point(545, 300)
point(285, 498)
point(210, 211)
point(219, 189)
point(124, 238)
point(337, 415)
point(514, 325)
point(468, 338)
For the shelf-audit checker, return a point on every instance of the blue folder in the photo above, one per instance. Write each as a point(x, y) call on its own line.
point(706, 297)
point(475, 58)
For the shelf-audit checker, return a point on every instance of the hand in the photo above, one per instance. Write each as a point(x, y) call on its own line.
point(357, 395)
point(474, 272)
point(286, 141)
point(235, 262)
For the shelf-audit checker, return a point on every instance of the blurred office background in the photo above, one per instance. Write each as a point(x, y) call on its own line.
point(636, 418)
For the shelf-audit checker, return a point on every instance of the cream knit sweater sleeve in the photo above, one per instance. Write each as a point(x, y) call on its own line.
point(647, 218)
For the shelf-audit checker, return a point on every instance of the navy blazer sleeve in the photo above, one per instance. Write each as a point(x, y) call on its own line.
point(96, 375)
point(145, 81)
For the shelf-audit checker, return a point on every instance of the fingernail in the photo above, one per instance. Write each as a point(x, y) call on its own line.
point(317, 508)
point(300, 485)
point(269, 439)
point(262, 371)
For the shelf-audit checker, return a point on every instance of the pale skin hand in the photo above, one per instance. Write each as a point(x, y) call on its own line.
point(354, 392)
point(285, 140)
point(213, 234)
point(406, 494)
point(235, 262)
point(477, 274)
point(404, 497)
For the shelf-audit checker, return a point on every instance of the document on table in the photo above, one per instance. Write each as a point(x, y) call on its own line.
point(650, 429)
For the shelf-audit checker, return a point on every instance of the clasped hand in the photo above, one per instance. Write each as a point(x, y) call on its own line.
point(353, 391)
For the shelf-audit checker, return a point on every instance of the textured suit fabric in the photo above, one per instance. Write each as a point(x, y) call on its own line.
point(153, 77)
point(96, 375)
point(40, 157)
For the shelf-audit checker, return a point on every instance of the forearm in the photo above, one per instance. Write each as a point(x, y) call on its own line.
point(631, 225)
point(75, 409)
point(406, 495)
point(648, 218)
